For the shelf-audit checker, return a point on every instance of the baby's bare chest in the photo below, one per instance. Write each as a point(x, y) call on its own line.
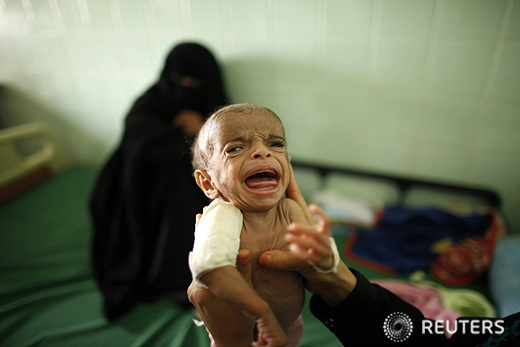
point(258, 241)
point(282, 289)
point(261, 239)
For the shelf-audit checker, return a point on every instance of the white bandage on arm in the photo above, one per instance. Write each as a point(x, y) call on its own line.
point(217, 239)
point(335, 255)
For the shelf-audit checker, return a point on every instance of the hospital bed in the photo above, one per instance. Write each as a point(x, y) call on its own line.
point(47, 293)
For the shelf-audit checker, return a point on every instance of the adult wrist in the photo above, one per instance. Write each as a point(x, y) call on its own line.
point(337, 288)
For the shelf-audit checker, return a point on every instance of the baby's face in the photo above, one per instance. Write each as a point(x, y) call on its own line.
point(250, 167)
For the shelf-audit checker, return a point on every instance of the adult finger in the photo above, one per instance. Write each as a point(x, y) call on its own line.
point(323, 218)
point(244, 264)
point(293, 192)
point(288, 261)
point(282, 260)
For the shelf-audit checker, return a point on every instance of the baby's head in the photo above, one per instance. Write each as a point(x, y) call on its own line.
point(240, 156)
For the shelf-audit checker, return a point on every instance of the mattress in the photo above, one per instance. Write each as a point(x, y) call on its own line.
point(48, 296)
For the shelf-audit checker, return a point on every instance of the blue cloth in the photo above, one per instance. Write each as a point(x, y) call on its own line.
point(408, 239)
point(504, 276)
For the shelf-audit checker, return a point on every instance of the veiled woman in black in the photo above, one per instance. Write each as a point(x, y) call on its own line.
point(144, 204)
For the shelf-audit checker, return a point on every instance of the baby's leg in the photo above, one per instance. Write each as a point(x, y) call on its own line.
point(228, 284)
point(295, 332)
point(270, 333)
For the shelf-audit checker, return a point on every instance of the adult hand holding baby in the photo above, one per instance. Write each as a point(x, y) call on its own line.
point(233, 326)
point(311, 250)
point(312, 243)
point(333, 287)
point(228, 325)
point(219, 316)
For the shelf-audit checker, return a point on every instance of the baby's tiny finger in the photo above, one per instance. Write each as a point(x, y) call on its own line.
point(301, 253)
point(314, 259)
point(324, 220)
point(299, 230)
point(307, 243)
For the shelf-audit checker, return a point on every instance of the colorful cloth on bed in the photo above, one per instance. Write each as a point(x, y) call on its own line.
point(466, 302)
point(467, 260)
point(405, 239)
point(427, 300)
point(438, 302)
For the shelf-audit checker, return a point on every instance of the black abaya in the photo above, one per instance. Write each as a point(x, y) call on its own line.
point(144, 204)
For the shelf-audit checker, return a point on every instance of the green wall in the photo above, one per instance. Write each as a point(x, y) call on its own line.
point(427, 88)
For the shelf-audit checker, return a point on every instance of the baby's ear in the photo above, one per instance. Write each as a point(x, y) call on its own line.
point(204, 182)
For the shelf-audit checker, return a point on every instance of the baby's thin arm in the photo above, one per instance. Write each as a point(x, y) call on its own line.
point(228, 284)
point(228, 326)
point(314, 243)
point(293, 192)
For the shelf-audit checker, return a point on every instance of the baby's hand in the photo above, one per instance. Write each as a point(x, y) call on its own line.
point(312, 243)
point(270, 332)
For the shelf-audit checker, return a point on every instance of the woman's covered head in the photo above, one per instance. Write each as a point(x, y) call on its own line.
point(191, 79)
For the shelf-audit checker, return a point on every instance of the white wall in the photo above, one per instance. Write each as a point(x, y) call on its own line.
point(422, 88)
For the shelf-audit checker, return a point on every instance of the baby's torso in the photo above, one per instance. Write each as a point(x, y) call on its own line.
point(283, 290)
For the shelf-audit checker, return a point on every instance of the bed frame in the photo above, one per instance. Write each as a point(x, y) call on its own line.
point(29, 155)
point(21, 169)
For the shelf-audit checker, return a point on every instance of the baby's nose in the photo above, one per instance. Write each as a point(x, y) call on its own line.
point(261, 151)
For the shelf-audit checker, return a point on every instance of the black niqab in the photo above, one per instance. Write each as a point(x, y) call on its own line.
point(145, 200)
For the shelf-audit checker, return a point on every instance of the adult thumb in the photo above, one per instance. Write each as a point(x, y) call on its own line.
point(281, 260)
point(244, 264)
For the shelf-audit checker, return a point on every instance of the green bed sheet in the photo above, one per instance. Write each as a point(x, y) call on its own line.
point(48, 296)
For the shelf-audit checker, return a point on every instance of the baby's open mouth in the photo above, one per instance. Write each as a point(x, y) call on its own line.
point(264, 179)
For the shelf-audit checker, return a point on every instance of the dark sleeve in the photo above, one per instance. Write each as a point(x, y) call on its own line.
point(373, 316)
